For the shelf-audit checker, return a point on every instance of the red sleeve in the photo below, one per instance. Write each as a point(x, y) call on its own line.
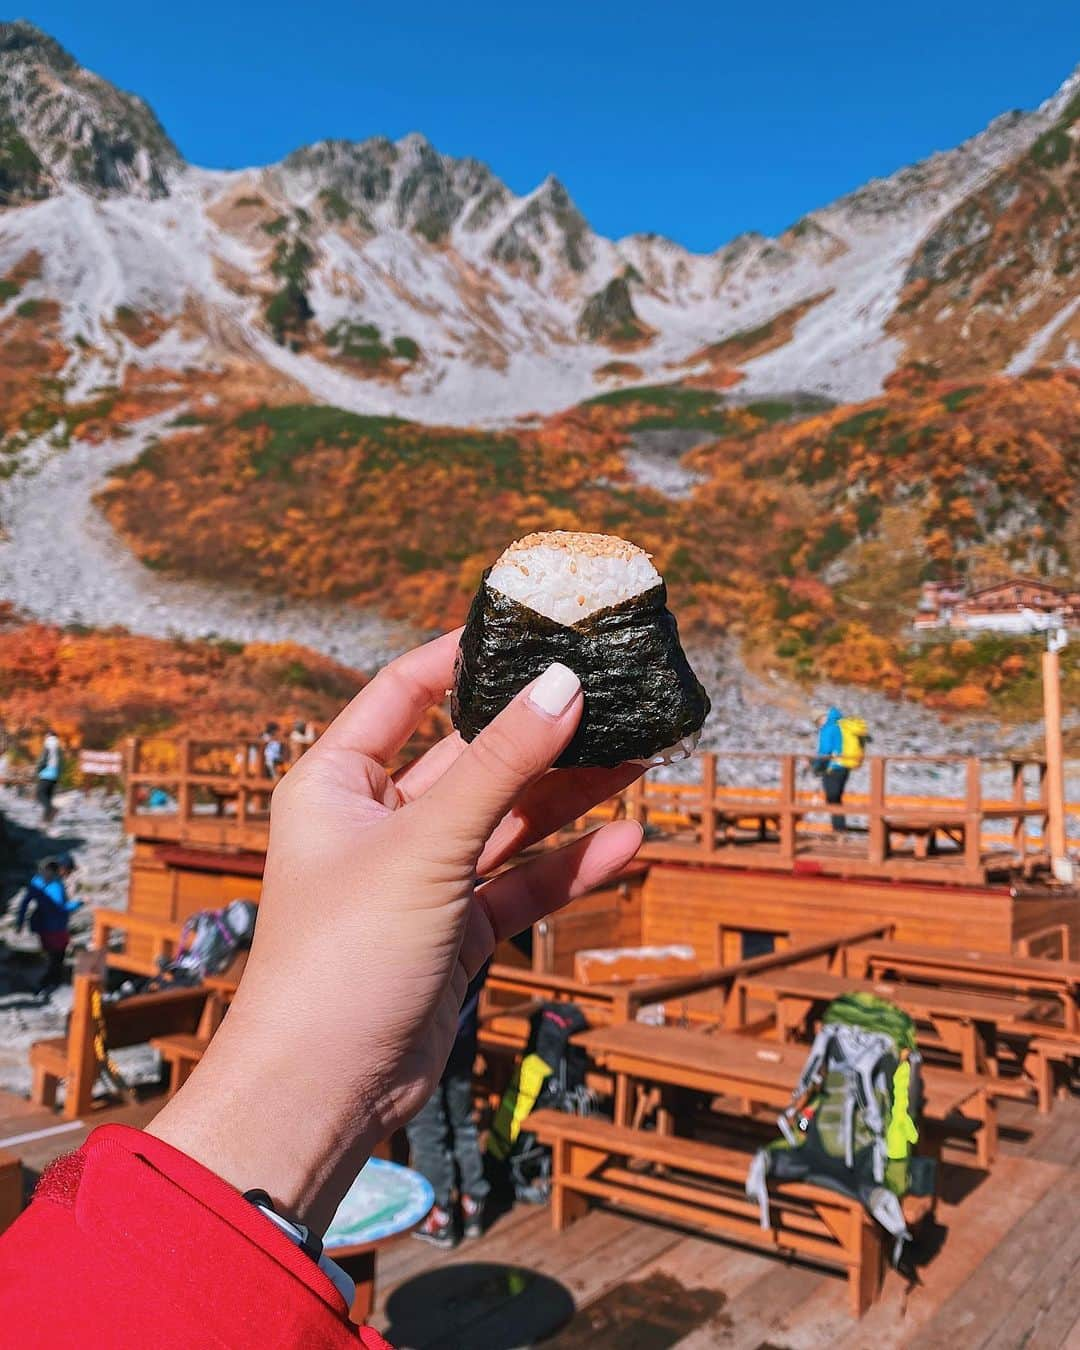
point(129, 1243)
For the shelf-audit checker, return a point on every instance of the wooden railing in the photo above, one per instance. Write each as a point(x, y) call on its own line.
point(704, 820)
point(214, 793)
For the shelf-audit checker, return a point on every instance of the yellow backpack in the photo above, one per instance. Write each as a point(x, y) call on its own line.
point(853, 738)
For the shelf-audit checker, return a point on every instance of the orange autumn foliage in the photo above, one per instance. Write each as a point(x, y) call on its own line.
point(326, 505)
point(965, 698)
point(96, 687)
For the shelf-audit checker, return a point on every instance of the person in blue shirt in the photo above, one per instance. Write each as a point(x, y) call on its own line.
point(49, 767)
point(834, 773)
point(48, 905)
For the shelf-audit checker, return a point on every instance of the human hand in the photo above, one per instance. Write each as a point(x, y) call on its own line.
point(372, 922)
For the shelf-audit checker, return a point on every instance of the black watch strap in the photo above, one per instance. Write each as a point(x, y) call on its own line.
point(308, 1242)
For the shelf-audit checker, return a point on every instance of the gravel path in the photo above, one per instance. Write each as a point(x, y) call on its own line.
point(91, 826)
point(61, 562)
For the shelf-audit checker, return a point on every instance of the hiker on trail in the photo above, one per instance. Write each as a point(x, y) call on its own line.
point(841, 747)
point(49, 767)
point(208, 1224)
point(49, 906)
point(443, 1132)
point(273, 752)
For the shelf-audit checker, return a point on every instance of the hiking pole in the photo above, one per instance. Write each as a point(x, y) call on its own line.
point(797, 1107)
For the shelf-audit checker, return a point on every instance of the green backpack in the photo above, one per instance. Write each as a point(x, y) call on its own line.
point(854, 1115)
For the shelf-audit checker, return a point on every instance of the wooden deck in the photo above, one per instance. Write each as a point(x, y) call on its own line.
point(1007, 1273)
point(207, 795)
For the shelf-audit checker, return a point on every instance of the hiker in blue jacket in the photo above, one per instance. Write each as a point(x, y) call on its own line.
point(47, 900)
point(834, 772)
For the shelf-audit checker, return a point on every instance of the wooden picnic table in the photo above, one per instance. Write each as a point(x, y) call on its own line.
point(966, 1023)
point(384, 1202)
point(965, 966)
point(758, 1073)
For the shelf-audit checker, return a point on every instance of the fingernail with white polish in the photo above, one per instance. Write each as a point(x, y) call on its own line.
point(554, 691)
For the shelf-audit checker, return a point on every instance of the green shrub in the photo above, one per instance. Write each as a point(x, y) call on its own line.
point(956, 398)
point(833, 541)
point(288, 310)
point(1052, 148)
point(298, 429)
point(292, 260)
point(867, 420)
point(334, 204)
point(413, 560)
point(772, 410)
point(344, 332)
point(406, 348)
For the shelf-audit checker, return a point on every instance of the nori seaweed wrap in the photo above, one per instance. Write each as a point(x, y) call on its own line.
point(642, 699)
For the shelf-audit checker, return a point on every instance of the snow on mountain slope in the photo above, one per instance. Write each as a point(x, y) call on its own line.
point(386, 277)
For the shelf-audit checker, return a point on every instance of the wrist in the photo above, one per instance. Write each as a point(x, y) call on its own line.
point(261, 1117)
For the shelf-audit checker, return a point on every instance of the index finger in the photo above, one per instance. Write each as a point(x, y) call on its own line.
point(383, 716)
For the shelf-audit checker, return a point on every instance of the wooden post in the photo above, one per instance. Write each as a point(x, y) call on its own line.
point(183, 787)
point(543, 953)
point(1055, 765)
point(876, 807)
point(362, 1269)
point(131, 761)
point(82, 1065)
point(1020, 840)
point(973, 822)
point(787, 808)
point(11, 1189)
point(708, 802)
point(635, 801)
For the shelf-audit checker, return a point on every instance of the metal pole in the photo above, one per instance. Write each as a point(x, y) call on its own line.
point(1055, 766)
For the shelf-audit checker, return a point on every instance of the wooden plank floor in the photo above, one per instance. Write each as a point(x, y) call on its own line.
point(638, 1285)
point(1006, 1275)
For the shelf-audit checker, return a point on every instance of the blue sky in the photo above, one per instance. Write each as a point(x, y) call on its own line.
point(696, 120)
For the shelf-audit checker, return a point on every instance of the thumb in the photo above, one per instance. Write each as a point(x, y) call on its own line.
point(515, 749)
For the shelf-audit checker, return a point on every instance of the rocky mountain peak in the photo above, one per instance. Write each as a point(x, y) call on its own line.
point(1057, 104)
point(415, 186)
point(62, 124)
point(609, 316)
point(548, 223)
point(22, 36)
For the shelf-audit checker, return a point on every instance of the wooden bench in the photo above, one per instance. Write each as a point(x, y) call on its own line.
point(48, 1064)
point(181, 1052)
point(702, 1187)
point(131, 1021)
point(508, 1028)
point(1055, 979)
point(758, 1074)
point(1047, 1057)
point(11, 1188)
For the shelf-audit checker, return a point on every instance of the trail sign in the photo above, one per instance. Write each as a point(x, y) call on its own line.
point(100, 762)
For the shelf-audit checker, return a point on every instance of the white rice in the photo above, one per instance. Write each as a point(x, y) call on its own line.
point(567, 576)
point(674, 754)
